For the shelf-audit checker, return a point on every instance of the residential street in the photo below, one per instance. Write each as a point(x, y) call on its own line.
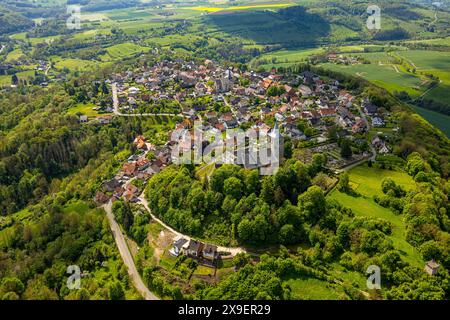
point(126, 255)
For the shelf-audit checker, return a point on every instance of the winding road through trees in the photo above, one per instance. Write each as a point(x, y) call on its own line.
point(126, 255)
point(231, 250)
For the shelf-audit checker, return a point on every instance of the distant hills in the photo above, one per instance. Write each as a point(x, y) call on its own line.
point(13, 22)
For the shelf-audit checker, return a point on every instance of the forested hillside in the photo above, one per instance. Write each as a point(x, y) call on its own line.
point(11, 21)
point(50, 168)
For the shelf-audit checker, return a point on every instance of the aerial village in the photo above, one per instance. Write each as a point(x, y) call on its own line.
point(303, 107)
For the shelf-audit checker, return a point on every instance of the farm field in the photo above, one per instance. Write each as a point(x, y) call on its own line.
point(438, 41)
point(367, 182)
point(439, 120)
point(436, 63)
point(14, 55)
point(288, 57)
point(384, 76)
point(243, 7)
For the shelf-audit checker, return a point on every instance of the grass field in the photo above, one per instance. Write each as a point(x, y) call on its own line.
point(123, 50)
point(438, 120)
point(243, 7)
point(367, 182)
point(439, 41)
point(312, 289)
point(384, 76)
point(23, 75)
point(14, 55)
point(79, 207)
point(75, 64)
point(85, 109)
point(289, 56)
point(436, 63)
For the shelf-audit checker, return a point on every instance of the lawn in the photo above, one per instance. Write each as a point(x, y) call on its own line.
point(203, 271)
point(367, 182)
point(167, 261)
point(85, 109)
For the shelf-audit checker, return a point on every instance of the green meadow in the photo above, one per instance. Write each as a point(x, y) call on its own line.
point(436, 63)
point(313, 289)
point(367, 182)
point(23, 75)
point(85, 109)
point(437, 119)
point(74, 64)
point(123, 50)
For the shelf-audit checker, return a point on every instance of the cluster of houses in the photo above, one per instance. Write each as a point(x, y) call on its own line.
point(245, 99)
point(194, 249)
point(342, 59)
point(246, 95)
point(138, 166)
point(41, 68)
point(380, 145)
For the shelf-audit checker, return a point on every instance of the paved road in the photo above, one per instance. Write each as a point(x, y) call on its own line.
point(126, 255)
point(232, 250)
point(118, 113)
